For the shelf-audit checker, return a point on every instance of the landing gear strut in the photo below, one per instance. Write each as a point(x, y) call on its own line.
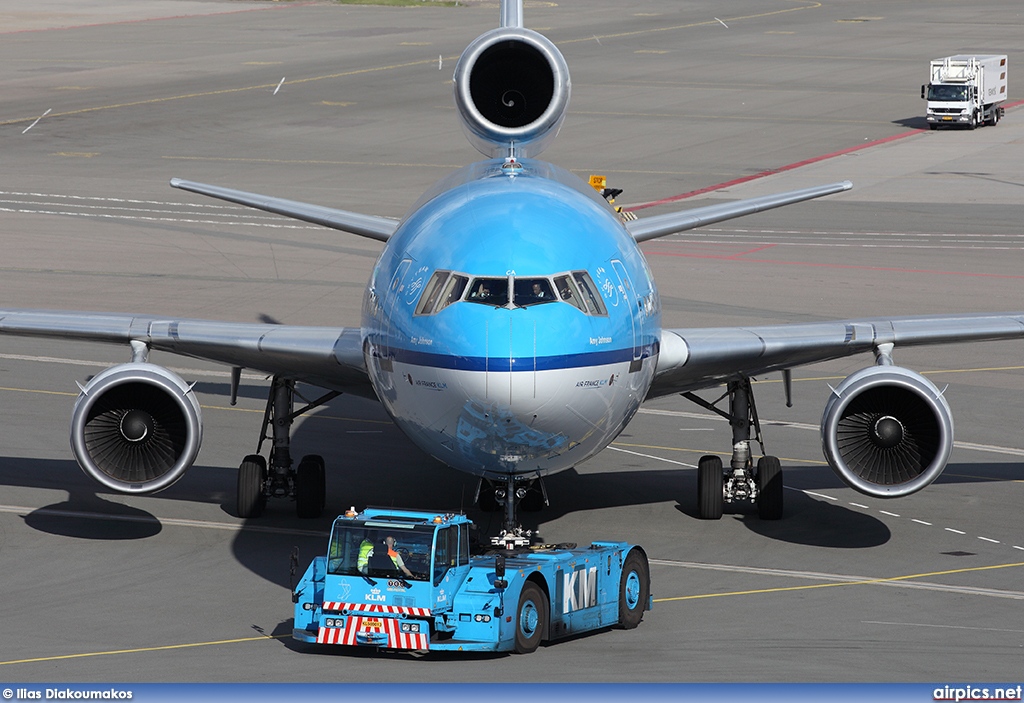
point(257, 481)
point(741, 481)
point(508, 494)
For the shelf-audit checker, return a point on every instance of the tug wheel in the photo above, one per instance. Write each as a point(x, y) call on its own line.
point(531, 618)
point(634, 589)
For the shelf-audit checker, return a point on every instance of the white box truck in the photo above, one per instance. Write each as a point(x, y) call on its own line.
point(965, 90)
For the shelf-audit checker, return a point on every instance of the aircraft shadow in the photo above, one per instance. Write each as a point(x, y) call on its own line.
point(370, 462)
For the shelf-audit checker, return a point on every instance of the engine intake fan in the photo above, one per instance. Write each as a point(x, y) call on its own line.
point(511, 87)
point(887, 431)
point(136, 428)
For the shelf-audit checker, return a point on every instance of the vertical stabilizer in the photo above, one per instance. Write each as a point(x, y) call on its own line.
point(511, 14)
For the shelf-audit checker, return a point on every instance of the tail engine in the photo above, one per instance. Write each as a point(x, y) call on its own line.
point(136, 428)
point(511, 90)
point(887, 431)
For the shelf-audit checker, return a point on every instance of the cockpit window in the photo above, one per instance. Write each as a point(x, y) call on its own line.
point(568, 293)
point(532, 291)
point(591, 297)
point(489, 291)
point(574, 287)
point(431, 292)
point(443, 289)
point(453, 290)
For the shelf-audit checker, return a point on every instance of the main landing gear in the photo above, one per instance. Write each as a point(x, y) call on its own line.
point(257, 482)
point(741, 482)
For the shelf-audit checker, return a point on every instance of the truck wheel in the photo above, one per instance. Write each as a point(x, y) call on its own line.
point(709, 488)
point(249, 498)
point(634, 590)
point(531, 618)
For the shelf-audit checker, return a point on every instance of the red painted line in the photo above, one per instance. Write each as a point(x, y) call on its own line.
point(788, 167)
point(773, 171)
point(753, 251)
point(158, 19)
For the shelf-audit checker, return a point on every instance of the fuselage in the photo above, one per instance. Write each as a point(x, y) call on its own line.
point(511, 324)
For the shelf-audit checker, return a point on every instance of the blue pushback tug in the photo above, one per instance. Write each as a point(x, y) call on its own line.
point(405, 579)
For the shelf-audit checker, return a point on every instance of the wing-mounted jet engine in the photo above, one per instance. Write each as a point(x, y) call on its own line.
point(511, 91)
point(887, 431)
point(136, 428)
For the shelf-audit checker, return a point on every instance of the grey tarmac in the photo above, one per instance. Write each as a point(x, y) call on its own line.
point(667, 100)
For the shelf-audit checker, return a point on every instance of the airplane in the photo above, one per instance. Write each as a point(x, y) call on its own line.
point(511, 328)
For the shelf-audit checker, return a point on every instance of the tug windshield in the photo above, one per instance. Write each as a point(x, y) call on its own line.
point(362, 549)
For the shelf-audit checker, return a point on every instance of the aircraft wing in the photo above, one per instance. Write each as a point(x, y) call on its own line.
point(330, 357)
point(369, 226)
point(691, 359)
point(659, 225)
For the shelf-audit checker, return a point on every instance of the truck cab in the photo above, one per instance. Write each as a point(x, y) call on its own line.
point(405, 579)
point(965, 90)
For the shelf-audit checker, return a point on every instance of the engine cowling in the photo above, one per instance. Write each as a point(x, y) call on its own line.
point(136, 428)
point(887, 431)
point(511, 87)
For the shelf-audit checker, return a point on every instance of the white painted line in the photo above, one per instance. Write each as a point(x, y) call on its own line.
point(279, 85)
point(949, 627)
point(1020, 548)
point(722, 23)
point(821, 495)
point(657, 458)
point(989, 539)
point(858, 505)
point(105, 364)
point(886, 512)
point(37, 120)
point(950, 529)
point(920, 522)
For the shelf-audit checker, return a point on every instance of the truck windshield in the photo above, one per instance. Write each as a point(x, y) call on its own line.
point(947, 93)
point(379, 550)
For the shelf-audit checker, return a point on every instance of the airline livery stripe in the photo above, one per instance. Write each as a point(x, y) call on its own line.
point(526, 363)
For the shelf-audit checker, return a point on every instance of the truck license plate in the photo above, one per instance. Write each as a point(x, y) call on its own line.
point(370, 624)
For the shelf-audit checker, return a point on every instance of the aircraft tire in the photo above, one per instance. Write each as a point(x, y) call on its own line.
point(634, 589)
point(531, 618)
point(769, 488)
point(310, 487)
point(710, 484)
point(249, 498)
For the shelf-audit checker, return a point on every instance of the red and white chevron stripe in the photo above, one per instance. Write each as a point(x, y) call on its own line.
point(338, 606)
point(390, 626)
